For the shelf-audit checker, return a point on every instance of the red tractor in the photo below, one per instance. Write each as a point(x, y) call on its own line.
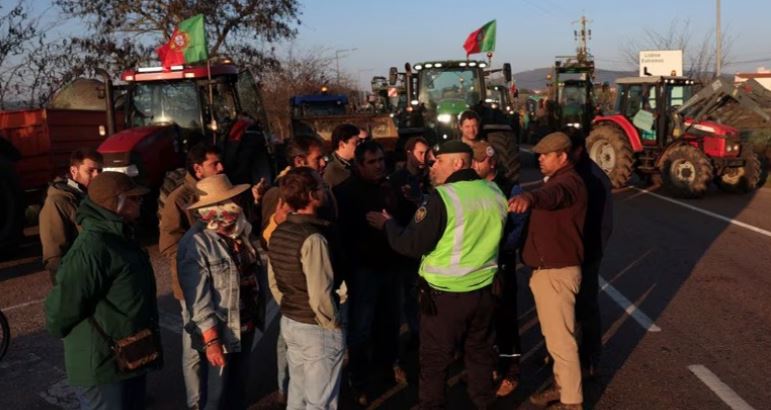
point(167, 111)
point(662, 130)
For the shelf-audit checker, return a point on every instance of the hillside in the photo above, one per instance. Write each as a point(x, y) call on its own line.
point(536, 79)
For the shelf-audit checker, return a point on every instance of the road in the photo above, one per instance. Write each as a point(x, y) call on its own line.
point(686, 308)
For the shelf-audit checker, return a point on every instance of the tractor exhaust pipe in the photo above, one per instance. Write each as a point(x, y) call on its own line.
point(108, 101)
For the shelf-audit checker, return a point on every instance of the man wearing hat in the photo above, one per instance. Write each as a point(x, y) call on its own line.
point(457, 233)
point(554, 250)
point(218, 267)
point(104, 280)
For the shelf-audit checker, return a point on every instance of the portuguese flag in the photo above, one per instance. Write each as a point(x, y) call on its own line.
point(187, 44)
point(481, 40)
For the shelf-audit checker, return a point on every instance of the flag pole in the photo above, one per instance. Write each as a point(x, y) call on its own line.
point(213, 124)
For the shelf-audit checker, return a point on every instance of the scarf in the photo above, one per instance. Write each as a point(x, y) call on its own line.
point(227, 219)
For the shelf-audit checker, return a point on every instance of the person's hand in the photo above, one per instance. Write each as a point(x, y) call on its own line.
point(282, 210)
point(215, 355)
point(378, 219)
point(519, 204)
point(258, 190)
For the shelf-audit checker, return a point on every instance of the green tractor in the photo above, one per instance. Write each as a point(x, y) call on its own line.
point(439, 91)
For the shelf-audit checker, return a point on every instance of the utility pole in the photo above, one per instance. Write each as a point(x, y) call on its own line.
point(337, 60)
point(718, 43)
point(582, 36)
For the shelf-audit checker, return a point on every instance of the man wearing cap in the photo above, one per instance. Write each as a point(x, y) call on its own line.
point(218, 268)
point(104, 280)
point(457, 233)
point(554, 250)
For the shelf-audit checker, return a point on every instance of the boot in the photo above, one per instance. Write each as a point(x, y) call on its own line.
point(545, 397)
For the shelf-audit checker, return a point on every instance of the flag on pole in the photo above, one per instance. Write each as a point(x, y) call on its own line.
point(481, 40)
point(186, 45)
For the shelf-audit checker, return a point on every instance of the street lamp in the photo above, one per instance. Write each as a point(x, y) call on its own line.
point(337, 60)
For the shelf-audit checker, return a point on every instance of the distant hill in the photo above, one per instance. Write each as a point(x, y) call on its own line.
point(536, 79)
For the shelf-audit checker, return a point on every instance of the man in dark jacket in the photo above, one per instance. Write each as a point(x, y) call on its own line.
point(58, 228)
point(597, 230)
point(554, 250)
point(345, 138)
point(105, 280)
point(374, 283)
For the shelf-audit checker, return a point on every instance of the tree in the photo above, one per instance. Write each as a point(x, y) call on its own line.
point(125, 33)
point(17, 29)
point(698, 52)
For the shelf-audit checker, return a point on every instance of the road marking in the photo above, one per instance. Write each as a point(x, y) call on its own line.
point(719, 388)
point(708, 213)
point(21, 305)
point(628, 306)
point(528, 150)
point(61, 395)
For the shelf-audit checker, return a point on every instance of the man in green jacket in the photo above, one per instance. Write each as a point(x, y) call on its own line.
point(106, 276)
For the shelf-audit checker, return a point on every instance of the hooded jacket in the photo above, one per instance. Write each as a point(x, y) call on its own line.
point(58, 228)
point(106, 275)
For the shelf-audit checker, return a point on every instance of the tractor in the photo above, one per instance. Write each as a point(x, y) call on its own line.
point(500, 96)
point(168, 110)
point(663, 131)
point(439, 91)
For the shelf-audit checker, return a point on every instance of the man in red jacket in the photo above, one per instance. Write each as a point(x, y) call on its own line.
point(554, 250)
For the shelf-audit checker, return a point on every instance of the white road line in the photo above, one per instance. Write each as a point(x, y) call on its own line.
point(628, 306)
point(528, 150)
point(719, 388)
point(708, 213)
point(21, 305)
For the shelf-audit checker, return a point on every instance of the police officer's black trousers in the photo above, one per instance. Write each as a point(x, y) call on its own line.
point(588, 314)
point(506, 323)
point(462, 319)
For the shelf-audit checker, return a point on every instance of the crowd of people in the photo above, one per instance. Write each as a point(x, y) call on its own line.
point(364, 262)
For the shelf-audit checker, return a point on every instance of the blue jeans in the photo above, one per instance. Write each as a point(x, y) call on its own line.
point(315, 357)
point(281, 364)
point(126, 394)
point(191, 365)
point(226, 389)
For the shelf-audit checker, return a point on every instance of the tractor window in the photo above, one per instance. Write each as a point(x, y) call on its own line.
point(249, 97)
point(456, 88)
point(166, 103)
point(224, 102)
point(634, 99)
point(677, 95)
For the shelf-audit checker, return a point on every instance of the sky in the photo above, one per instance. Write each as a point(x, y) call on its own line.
point(530, 33)
point(369, 36)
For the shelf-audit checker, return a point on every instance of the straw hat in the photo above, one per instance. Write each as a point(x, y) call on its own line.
point(214, 189)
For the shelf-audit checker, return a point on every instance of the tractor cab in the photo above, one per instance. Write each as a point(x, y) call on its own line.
point(572, 93)
point(167, 111)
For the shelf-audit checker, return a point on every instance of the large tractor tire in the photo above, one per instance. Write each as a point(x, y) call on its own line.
point(609, 147)
point(171, 181)
point(505, 145)
point(744, 179)
point(11, 205)
point(686, 171)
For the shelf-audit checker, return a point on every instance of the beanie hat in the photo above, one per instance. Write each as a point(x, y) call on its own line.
point(106, 187)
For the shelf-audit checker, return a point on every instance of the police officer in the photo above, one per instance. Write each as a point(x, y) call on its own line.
point(457, 231)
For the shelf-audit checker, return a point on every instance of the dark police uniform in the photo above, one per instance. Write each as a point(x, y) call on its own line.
point(457, 233)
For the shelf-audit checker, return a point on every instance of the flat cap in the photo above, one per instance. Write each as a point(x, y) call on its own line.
point(483, 150)
point(556, 141)
point(107, 186)
point(452, 147)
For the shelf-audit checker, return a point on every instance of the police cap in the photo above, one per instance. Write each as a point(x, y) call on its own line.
point(452, 147)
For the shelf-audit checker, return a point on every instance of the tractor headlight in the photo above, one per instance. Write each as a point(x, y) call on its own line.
point(732, 147)
point(576, 125)
point(444, 118)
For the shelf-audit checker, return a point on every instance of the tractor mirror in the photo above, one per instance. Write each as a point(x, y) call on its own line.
point(407, 67)
point(392, 74)
point(507, 72)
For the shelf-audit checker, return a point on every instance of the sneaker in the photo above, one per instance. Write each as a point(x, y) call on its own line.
point(545, 397)
point(563, 406)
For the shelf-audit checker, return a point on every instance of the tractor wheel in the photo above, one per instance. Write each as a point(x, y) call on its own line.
point(610, 149)
point(686, 171)
point(171, 181)
point(11, 205)
point(505, 145)
point(744, 179)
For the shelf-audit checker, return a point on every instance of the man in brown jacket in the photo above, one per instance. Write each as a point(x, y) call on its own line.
point(554, 250)
point(203, 160)
point(58, 228)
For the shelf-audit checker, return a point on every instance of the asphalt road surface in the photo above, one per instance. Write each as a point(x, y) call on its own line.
point(686, 306)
